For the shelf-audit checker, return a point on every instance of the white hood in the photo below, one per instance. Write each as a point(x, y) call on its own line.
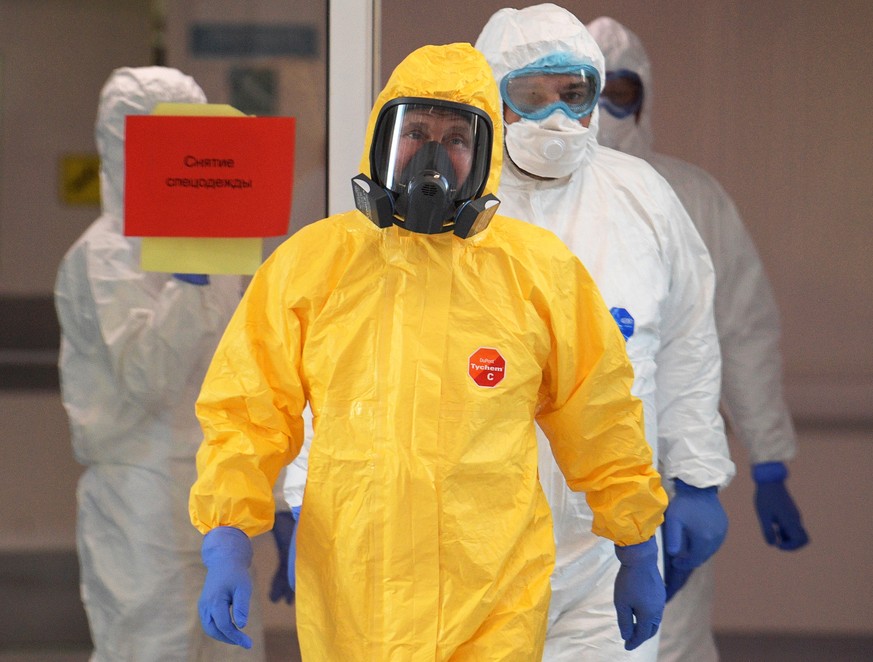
point(622, 49)
point(132, 91)
point(514, 38)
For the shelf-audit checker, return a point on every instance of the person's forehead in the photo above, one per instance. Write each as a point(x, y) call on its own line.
point(439, 116)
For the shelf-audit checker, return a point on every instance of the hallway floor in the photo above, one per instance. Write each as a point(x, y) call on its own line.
point(281, 647)
point(42, 620)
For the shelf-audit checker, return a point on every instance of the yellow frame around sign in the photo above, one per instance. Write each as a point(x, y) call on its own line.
point(201, 255)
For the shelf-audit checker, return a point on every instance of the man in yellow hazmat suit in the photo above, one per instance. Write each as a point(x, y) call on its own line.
point(427, 335)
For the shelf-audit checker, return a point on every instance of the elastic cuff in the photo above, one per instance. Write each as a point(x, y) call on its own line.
point(226, 542)
point(682, 486)
point(631, 554)
point(769, 472)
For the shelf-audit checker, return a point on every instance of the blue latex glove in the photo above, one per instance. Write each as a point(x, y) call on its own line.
point(283, 530)
point(674, 578)
point(194, 279)
point(292, 549)
point(227, 555)
point(695, 525)
point(639, 593)
point(779, 517)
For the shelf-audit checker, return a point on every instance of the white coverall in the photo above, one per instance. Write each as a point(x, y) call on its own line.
point(134, 349)
point(746, 316)
point(629, 229)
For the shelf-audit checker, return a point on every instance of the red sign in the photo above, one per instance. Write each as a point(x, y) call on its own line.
point(487, 367)
point(190, 176)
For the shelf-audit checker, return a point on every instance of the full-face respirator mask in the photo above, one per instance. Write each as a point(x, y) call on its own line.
point(429, 162)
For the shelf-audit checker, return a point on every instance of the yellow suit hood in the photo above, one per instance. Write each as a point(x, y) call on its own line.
point(456, 72)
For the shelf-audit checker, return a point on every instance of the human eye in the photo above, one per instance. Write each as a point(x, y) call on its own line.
point(415, 129)
point(574, 94)
point(457, 141)
point(458, 146)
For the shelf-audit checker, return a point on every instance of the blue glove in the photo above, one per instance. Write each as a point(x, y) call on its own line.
point(194, 279)
point(639, 593)
point(695, 526)
point(779, 517)
point(227, 554)
point(292, 549)
point(674, 578)
point(283, 530)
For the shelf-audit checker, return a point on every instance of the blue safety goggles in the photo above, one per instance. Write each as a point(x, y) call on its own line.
point(538, 90)
point(622, 94)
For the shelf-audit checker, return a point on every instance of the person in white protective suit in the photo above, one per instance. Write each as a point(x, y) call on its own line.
point(134, 349)
point(747, 319)
point(629, 229)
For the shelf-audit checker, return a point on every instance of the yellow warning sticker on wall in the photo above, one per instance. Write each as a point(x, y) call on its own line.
point(80, 179)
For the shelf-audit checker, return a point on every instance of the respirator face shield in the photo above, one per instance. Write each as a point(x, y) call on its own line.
point(431, 157)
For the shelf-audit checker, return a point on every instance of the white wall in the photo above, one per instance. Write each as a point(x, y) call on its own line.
point(301, 83)
point(38, 474)
point(56, 56)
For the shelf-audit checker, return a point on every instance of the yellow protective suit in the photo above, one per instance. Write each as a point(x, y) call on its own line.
point(425, 534)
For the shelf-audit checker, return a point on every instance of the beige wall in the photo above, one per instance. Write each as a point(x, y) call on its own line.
point(776, 105)
point(824, 587)
point(773, 98)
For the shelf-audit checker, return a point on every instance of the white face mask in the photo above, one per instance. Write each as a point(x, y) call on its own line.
point(623, 134)
point(551, 147)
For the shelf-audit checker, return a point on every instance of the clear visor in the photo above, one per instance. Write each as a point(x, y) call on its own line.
point(429, 137)
point(536, 92)
point(622, 94)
